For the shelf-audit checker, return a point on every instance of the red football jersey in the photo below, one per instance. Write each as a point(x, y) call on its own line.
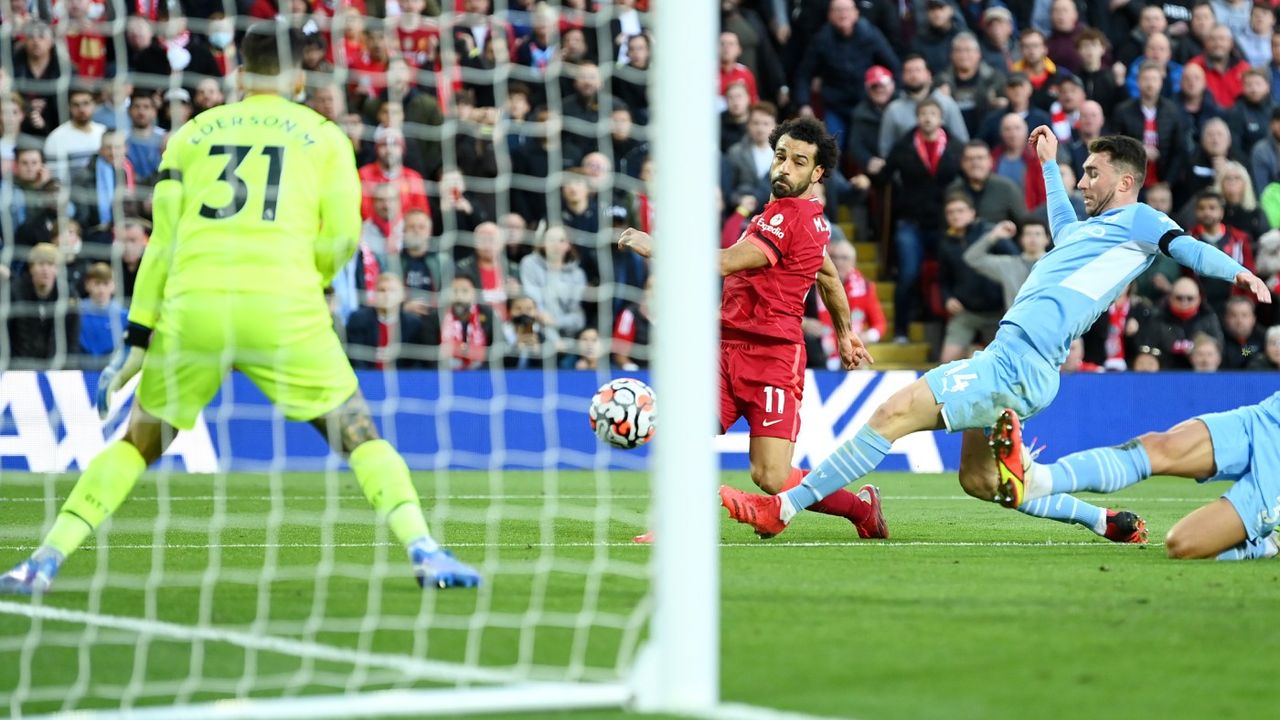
point(766, 304)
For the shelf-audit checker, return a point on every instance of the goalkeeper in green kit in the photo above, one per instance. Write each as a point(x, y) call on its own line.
point(257, 207)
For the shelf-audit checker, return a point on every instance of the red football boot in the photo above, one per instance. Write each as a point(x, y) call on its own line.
point(874, 527)
point(1125, 527)
point(761, 512)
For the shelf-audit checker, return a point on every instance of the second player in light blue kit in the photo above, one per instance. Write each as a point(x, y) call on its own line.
point(1241, 445)
point(1092, 262)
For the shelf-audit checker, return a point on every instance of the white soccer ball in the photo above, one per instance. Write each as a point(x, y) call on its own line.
point(624, 413)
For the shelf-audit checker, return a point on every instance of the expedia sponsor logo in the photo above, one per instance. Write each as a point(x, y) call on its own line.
point(768, 228)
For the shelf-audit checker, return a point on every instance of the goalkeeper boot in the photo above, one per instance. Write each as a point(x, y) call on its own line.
point(1125, 527)
point(1011, 459)
point(761, 512)
point(439, 568)
point(874, 527)
point(31, 576)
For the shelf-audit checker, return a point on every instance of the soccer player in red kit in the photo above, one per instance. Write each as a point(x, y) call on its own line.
point(767, 275)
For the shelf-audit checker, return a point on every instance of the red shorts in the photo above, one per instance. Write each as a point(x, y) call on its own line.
point(764, 384)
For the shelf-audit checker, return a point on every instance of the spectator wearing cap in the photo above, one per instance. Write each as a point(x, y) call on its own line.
point(1158, 123)
point(419, 110)
point(973, 84)
point(177, 108)
point(1249, 117)
point(752, 158)
point(388, 167)
point(1064, 30)
point(43, 320)
point(993, 197)
point(102, 318)
point(900, 116)
point(839, 55)
point(1223, 72)
point(1096, 76)
point(864, 136)
point(997, 38)
point(1064, 112)
point(1194, 99)
point(933, 40)
point(1017, 92)
point(1254, 41)
point(1034, 61)
point(1158, 51)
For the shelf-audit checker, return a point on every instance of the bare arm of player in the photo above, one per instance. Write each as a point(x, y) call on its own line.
point(742, 255)
point(852, 352)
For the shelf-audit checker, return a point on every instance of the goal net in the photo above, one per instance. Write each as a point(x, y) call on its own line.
point(246, 575)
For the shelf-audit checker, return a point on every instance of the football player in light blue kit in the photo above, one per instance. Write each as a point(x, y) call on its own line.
point(1092, 262)
point(1242, 445)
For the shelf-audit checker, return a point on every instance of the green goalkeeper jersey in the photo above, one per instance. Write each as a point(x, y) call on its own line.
point(257, 197)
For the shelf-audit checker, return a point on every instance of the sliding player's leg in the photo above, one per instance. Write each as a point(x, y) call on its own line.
point(302, 368)
point(1024, 485)
point(1241, 445)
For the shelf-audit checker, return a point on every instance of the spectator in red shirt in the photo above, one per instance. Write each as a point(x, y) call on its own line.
point(369, 66)
point(1223, 71)
point(419, 39)
point(631, 332)
point(732, 71)
point(389, 168)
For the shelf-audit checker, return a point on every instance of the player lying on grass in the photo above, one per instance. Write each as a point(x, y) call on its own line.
point(767, 275)
point(257, 207)
point(1092, 262)
point(1241, 445)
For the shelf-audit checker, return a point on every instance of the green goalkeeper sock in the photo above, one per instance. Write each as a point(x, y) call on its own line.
point(384, 478)
point(99, 491)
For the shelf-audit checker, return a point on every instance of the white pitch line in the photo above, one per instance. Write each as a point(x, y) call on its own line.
point(410, 666)
point(288, 496)
point(861, 544)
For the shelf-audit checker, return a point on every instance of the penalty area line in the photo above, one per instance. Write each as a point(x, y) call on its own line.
point(758, 544)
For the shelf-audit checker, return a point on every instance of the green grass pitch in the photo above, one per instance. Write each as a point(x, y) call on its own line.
point(970, 611)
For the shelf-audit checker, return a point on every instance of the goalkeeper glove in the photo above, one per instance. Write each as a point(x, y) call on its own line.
point(125, 363)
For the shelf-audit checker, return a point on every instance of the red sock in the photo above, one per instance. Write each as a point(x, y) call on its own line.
point(840, 503)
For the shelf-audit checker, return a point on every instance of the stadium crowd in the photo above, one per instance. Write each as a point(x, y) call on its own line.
point(502, 149)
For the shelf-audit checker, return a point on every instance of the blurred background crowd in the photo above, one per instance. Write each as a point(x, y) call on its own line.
point(503, 145)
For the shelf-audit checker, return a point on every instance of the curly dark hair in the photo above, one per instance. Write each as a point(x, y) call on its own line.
point(810, 131)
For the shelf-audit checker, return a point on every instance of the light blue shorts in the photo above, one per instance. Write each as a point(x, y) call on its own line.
point(1246, 449)
point(1009, 373)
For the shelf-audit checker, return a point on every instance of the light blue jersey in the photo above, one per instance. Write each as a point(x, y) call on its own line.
point(1246, 449)
point(1091, 264)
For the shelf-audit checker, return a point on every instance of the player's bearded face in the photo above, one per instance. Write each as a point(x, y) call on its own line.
point(791, 176)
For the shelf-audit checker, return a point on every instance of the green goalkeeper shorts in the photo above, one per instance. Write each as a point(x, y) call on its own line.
point(286, 347)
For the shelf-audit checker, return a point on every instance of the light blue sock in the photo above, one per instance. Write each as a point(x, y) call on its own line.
point(1250, 550)
point(1103, 470)
point(1065, 508)
point(849, 462)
